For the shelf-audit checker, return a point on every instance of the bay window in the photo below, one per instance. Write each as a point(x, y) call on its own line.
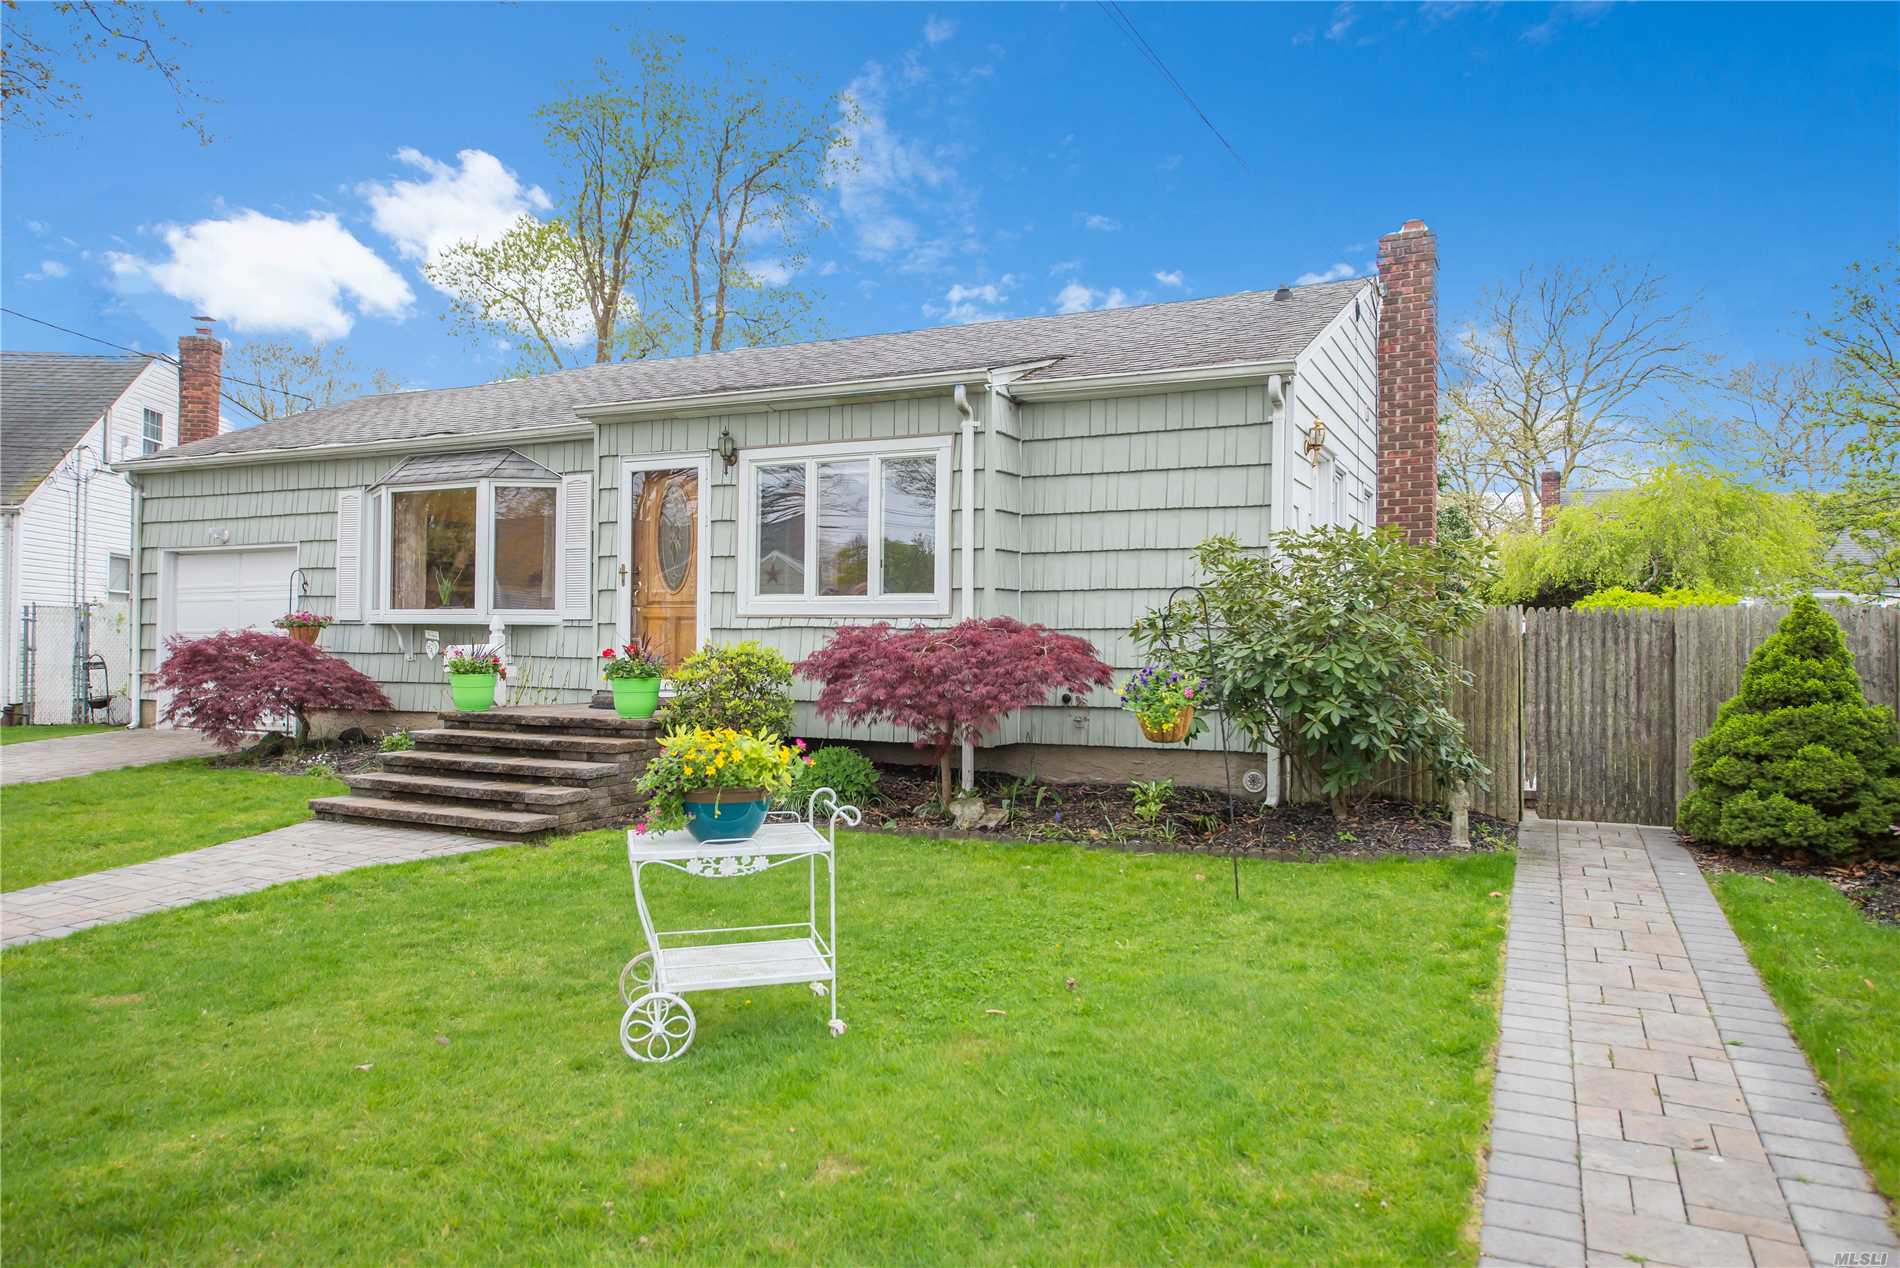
point(848, 528)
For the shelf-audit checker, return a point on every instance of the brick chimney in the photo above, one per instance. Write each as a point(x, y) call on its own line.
point(1550, 496)
point(200, 380)
point(1408, 381)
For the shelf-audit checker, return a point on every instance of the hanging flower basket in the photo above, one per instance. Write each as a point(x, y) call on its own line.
point(302, 626)
point(1173, 733)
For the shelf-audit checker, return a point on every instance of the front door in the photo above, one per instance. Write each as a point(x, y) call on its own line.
point(665, 553)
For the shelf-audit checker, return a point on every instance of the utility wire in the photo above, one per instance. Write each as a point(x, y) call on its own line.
point(164, 356)
point(1126, 26)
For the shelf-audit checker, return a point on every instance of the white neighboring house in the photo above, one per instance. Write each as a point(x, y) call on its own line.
point(65, 518)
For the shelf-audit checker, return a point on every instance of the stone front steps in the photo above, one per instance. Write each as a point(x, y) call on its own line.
point(507, 772)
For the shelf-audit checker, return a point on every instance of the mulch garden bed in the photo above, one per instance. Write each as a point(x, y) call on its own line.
point(1194, 820)
point(280, 754)
point(1873, 886)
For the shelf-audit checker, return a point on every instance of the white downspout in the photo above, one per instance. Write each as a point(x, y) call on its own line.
point(962, 399)
point(135, 585)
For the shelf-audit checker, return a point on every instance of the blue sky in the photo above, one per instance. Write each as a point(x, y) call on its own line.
point(1028, 158)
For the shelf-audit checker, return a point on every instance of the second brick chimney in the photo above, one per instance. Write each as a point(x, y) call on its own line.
point(200, 382)
point(1550, 496)
point(1408, 381)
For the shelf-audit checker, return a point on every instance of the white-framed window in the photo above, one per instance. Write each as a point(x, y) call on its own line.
point(853, 528)
point(154, 431)
point(119, 574)
point(467, 550)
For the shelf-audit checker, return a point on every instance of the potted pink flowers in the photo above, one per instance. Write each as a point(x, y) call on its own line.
point(472, 678)
point(302, 626)
point(634, 673)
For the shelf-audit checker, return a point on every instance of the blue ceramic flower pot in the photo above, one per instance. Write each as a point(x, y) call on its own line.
point(726, 814)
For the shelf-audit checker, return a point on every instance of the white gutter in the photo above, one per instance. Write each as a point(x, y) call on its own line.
point(432, 443)
point(766, 398)
point(962, 397)
point(1139, 380)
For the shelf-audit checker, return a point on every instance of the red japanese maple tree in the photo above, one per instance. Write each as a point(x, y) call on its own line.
point(228, 685)
point(948, 685)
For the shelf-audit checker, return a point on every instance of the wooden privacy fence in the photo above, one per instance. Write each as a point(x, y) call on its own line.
point(1615, 701)
point(1599, 712)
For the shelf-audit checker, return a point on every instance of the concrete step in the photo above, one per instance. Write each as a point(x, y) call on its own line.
point(508, 793)
point(600, 747)
point(484, 820)
point(552, 769)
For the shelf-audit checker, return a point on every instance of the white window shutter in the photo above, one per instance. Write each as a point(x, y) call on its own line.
point(349, 554)
point(576, 533)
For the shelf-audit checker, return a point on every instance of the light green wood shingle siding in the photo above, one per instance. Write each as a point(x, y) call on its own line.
point(294, 503)
point(1116, 494)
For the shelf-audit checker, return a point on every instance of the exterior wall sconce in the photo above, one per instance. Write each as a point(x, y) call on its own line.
point(1316, 441)
point(728, 448)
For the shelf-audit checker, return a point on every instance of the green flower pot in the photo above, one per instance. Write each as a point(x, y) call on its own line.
point(635, 697)
point(472, 692)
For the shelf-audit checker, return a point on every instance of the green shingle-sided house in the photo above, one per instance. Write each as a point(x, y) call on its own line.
point(1058, 469)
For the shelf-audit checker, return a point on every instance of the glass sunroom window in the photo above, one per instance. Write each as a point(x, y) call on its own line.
point(433, 543)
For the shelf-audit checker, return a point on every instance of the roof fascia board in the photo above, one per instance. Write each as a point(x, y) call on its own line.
point(435, 443)
point(1148, 380)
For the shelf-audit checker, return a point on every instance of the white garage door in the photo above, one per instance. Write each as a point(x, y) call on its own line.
point(228, 590)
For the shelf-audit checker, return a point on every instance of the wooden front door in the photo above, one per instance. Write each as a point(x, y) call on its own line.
point(665, 561)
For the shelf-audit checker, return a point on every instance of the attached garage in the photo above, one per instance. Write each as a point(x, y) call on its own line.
point(202, 592)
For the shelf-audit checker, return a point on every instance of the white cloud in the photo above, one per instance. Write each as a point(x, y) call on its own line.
point(937, 30)
point(1064, 266)
point(1342, 21)
point(47, 271)
point(1077, 298)
point(901, 197)
point(771, 272)
point(1171, 278)
point(827, 268)
point(475, 201)
point(1338, 273)
point(974, 301)
point(36, 226)
point(1100, 223)
point(259, 273)
point(1169, 163)
point(1562, 15)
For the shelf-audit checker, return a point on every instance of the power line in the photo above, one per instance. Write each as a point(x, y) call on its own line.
point(1126, 26)
point(167, 358)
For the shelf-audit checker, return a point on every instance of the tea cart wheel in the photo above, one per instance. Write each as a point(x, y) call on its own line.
point(636, 978)
point(657, 1027)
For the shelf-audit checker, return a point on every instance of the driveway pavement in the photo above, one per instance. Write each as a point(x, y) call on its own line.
point(1650, 1104)
point(37, 760)
point(316, 847)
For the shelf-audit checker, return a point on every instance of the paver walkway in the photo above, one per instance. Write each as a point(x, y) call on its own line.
point(1650, 1105)
point(316, 847)
point(37, 760)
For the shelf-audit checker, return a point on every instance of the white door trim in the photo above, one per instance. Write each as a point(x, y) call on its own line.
point(701, 463)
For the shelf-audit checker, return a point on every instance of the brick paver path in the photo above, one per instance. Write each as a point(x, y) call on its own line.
point(314, 848)
point(37, 760)
point(1650, 1105)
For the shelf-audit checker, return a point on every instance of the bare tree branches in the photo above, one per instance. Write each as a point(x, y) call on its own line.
point(273, 380)
point(40, 54)
point(1559, 370)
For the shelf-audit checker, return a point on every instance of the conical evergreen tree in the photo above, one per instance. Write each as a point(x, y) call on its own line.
point(1798, 759)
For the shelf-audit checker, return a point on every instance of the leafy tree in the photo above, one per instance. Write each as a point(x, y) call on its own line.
point(1798, 759)
point(42, 53)
point(273, 379)
point(1557, 370)
point(1861, 340)
point(747, 686)
point(1617, 599)
point(1325, 649)
point(1681, 527)
point(232, 685)
point(951, 685)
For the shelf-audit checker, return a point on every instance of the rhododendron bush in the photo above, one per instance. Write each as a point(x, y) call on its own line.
point(949, 685)
point(229, 685)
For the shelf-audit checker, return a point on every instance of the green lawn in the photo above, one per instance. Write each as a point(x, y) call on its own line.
point(422, 1063)
point(68, 827)
point(26, 734)
point(1836, 975)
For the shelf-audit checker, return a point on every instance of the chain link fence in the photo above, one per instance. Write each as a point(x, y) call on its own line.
point(75, 663)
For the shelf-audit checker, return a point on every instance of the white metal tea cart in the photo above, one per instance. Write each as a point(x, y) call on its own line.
point(659, 1024)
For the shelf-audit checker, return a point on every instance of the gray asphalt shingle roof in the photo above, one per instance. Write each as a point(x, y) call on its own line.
point(47, 401)
point(1250, 326)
